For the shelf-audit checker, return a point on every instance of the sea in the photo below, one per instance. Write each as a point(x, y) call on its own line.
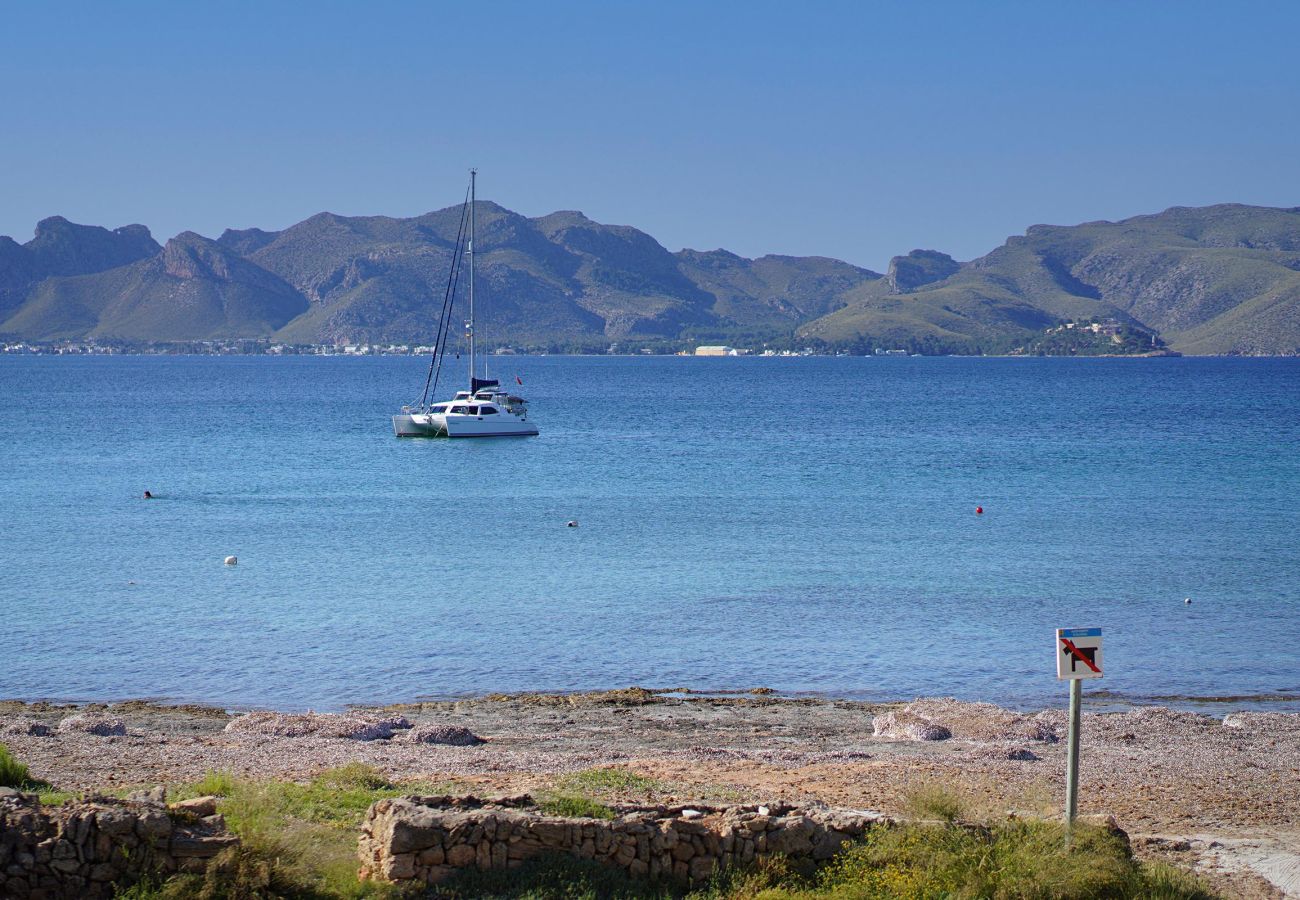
point(809, 525)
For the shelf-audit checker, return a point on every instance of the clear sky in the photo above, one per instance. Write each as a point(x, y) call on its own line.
point(852, 130)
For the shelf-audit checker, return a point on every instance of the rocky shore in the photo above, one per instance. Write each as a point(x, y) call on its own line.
point(1221, 792)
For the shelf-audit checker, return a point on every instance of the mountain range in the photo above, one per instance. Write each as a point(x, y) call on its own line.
point(1207, 280)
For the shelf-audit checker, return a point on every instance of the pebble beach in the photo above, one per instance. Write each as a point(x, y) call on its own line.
point(1218, 792)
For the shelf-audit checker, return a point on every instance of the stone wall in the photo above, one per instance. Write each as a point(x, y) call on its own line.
point(427, 839)
point(84, 849)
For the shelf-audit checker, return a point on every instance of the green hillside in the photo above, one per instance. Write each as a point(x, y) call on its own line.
point(193, 289)
point(1218, 279)
point(60, 247)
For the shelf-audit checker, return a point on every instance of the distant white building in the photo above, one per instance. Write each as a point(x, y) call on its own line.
point(719, 350)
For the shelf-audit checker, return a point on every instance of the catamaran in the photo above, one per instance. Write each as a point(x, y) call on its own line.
point(485, 410)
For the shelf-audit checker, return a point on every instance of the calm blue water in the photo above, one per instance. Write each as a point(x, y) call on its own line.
point(806, 524)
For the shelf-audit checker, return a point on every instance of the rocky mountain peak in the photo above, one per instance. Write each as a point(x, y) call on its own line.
point(61, 247)
point(135, 232)
point(918, 268)
point(52, 225)
point(190, 255)
point(245, 240)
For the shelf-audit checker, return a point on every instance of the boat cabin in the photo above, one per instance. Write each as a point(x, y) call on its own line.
point(483, 402)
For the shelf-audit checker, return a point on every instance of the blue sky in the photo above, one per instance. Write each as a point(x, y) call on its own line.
point(851, 130)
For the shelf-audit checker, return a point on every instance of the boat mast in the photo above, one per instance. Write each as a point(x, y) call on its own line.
point(473, 173)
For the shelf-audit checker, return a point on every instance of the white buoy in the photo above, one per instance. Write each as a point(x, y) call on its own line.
point(231, 560)
point(572, 523)
point(1187, 599)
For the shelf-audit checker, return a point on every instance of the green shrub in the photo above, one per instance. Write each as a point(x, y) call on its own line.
point(355, 775)
point(15, 774)
point(51, 797)
point(934, 801)
point(1013, 859)
point(298, 840)
point(608, 781)
point(573, 806)
point(1163, 882)
point(215, 784)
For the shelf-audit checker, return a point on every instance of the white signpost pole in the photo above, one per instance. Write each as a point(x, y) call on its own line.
point(1078, 656)
point(1072, 760)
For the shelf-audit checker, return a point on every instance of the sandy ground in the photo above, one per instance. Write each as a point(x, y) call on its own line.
point(1219, 793)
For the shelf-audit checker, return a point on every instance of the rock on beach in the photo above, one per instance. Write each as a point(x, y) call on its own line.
point(316, 725)
point(983, 721)
point(90, 723)
point(941, 718)
point(454, 735)
point(21, 725)
point(1268, 723)
point(908, 726)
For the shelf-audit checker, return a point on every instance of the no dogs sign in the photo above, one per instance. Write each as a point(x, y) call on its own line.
point(1078, 653)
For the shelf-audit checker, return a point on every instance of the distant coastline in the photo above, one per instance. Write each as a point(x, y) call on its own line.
point(267, 348)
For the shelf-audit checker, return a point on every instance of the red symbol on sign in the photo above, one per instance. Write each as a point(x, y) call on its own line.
point(1085, 655)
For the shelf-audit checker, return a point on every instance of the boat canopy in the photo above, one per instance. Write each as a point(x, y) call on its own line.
point(477, 384)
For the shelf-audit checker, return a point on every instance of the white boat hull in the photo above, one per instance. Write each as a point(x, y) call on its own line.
point(429, 425)
point(416, 425)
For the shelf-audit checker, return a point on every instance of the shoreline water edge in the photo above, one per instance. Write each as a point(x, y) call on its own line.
point(1095, 700)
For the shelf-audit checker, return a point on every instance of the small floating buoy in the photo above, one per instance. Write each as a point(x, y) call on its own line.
point(231, 560)
point(572, 523)
point(148, 496)
point(979, 510)
point(1187, 599)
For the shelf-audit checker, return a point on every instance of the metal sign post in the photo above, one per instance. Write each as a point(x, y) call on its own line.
point(1078, 656)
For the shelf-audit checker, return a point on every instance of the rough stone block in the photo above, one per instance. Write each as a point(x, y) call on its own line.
point(438, 873)
point(398, 867)
point(103, 872)
point(701, 868)
point(461, 855)
point(550, 832)
point(828, 844)
point(196, 806)
point(409, 835)
point(153, 825)
point(793, 837)
point(200, 846)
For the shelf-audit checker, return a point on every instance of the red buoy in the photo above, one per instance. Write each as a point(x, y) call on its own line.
point(979, 510)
